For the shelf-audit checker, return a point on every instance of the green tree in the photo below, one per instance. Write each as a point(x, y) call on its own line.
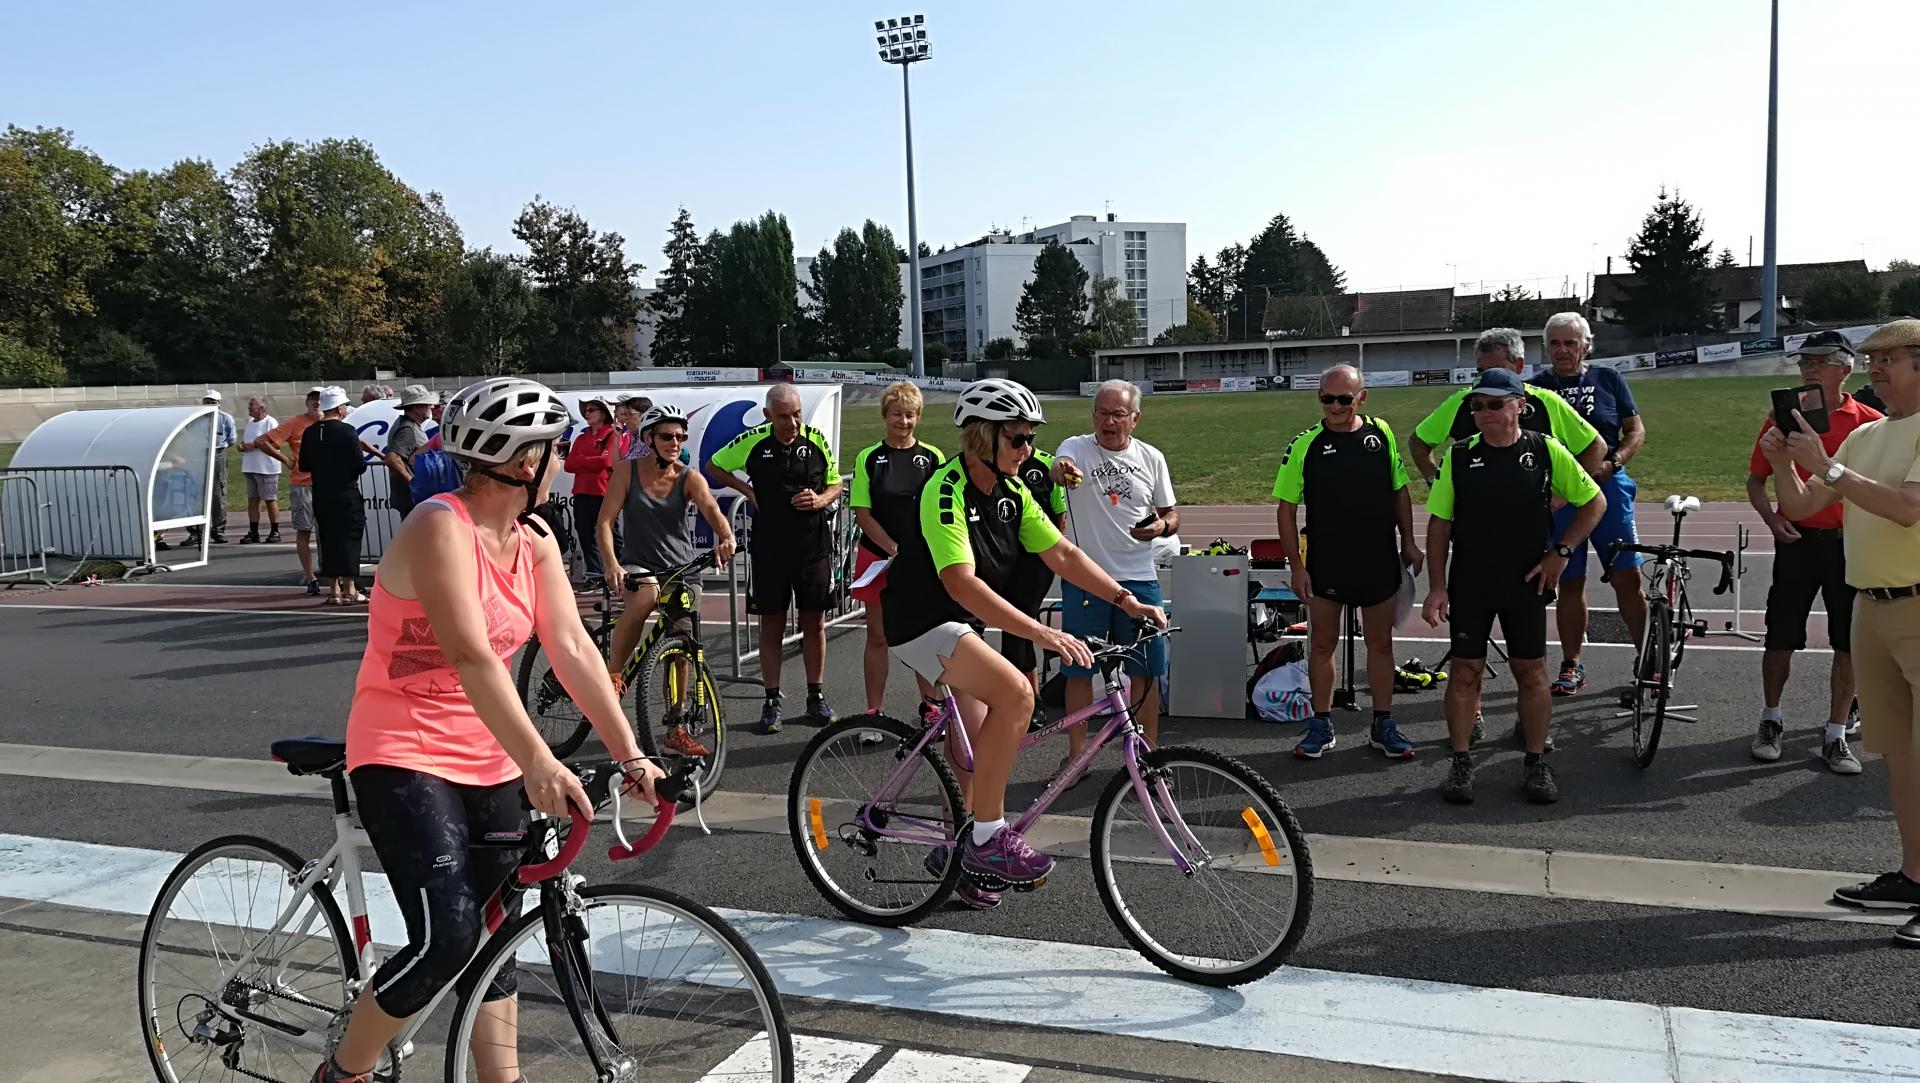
point(855, 291)
point(1725, 259)
point(488, 302)
point(583, 288)
point(1904, 298)
point(708, 308)
point(1206, 284)
point(1509, 306)
point(1200, 327)
point(1844, 295)
point(673, 332)
point(1053, 306)
point(1902, 265)
point(1112, 318)
point(22, 365)
point(755, 281)
point(998, 349)
point(1669, 292)
point(54, 199)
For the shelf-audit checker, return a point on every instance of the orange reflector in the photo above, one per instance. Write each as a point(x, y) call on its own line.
point(1267, 850)
point(820, 829)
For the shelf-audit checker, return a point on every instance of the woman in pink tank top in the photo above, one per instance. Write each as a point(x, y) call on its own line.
point(439, 744)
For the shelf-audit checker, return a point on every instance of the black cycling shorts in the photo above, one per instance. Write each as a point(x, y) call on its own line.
point(421, 827)
point(1814, 565)
point(783, 577)
point(1522, 617)
point(1359, 580)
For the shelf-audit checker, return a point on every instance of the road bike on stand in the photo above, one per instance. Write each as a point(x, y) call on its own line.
point(673, 689)
point(1198, 861)
point(1670, 622)
point(248, 969)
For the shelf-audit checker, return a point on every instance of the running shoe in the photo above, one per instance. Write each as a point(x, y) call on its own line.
point(1888, 891)
point(1539, 785)
point(1573, 677)
point(819, 711)
point(1386, 737)
point(313, 587)
point(1908, 934)
point(273, 537)
point(329, 1072)
point(1840, 759)
point(1004, 858)
point(677, 739)
point(1853, 718)
point(1479, 730)
point(251, 537)
point(872, 737)
point(1766, 743)
point(1459, 785)
point(1318, 738)
point(770, 717)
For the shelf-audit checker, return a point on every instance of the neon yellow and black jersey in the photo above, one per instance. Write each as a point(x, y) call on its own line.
point(777, 473)
point(1500, 502)
point(887, 481)
point(1542, 411)
point(1037, 475)
point(959, 524)
point(1350, 484)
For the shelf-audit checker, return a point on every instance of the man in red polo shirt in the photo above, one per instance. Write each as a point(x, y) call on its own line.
point(1808, 560)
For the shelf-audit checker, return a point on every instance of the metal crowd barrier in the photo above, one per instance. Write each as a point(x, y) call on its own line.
point(743, 628)
point(23, 529)
point(98, 513)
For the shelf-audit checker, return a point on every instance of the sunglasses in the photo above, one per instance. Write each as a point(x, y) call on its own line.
point(1329, 400)
point(1484, 405)
point(676, 437)
point(1021, 439)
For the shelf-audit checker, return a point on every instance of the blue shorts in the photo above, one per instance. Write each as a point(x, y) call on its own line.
point(1085, 616)
point(1615, 526)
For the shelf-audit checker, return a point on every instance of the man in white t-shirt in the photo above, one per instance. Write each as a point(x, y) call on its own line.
point(1119, 500)
point(262, 473)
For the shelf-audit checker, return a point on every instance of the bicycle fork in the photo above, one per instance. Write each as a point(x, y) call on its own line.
point(573, 975)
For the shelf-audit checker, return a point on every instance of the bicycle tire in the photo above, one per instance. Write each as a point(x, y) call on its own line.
point(479, 974)
point(1650, 693)
point(1120, 910)
point(162, 1023)
point(560, 724)
point(805, 844)
point(649, 729)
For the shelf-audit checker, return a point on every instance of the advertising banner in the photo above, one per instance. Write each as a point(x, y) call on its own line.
point(1389, 379)
point(1759, 345)
point(656, 377)
point(1427, 377)
point(1669, 358)
point(1088, 388)
point(1464, 376)
point(1240, 383)
point(1203, 385)
point(1304, 381)
point(1723, 351)
point(1161, 387)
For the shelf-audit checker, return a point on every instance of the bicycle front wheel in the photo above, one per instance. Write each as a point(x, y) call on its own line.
point(206, 1016)
point(557, 718)
point(659, 986)
point(1243, 902)
point(675, 690)
point(1652, 684)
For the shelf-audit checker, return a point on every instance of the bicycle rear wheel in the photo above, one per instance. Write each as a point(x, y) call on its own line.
point(271, 1020)
point(668, 992)
point(675, 687)
point(1652, 681)
point(895, 878)
point(1243, 907)
point(560, 722)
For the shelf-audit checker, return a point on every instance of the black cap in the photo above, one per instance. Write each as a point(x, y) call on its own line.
point(1499, 382)
point(1821, 343)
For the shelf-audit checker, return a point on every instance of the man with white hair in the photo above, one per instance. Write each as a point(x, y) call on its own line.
point(225, 435)
point(1601, 396)
point(262, 474)
point(1119, 499)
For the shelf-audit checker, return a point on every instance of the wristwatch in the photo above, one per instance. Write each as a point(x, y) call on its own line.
point(1564, 551)
point(1122, 598)
point(1834, 470)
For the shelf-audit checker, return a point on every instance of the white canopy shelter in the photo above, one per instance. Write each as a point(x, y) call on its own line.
point(110, 478)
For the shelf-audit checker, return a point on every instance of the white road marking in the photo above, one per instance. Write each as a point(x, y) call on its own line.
point(815, 1060)
point(1403, 1024)
point(913, 1066)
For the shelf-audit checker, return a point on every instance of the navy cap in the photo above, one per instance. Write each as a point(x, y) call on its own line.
point(1499, 382)
point(1825, 343)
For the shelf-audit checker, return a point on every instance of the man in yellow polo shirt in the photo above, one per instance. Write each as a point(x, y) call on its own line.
point(1876, 473)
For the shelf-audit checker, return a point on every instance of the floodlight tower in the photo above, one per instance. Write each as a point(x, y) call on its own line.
point(903, 41)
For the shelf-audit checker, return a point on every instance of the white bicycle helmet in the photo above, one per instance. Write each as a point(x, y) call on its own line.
point(997, 400)
point(490, 421)
point(664, 411)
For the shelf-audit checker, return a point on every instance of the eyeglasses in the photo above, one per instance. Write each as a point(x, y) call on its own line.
point(1021, 439)
point(1329, 400)
point(676, 437)
point(1483, 405)
point(1113, 415)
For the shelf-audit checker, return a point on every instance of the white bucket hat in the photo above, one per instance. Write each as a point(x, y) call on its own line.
point(332, 398)
point(418, 395)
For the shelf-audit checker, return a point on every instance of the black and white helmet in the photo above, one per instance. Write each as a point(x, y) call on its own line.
point(997, 400)
point(664, 411)
point(492, 420)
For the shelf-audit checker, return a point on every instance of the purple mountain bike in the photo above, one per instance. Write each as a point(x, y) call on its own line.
point(1200, 864)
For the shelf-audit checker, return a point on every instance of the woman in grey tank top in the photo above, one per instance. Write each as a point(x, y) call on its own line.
point(650, 495)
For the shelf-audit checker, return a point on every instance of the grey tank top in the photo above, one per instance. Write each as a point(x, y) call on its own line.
point(655, 534)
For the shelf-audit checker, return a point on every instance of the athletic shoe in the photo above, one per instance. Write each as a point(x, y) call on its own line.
point(1318, 738)
point(1840, 759)
point(1005, 857)
point(1386, 737)
point(770, 717)
point(251, 537)
point(1038, 721)
point(677, 739)
point(871, 737)
point(219, 539)
point(1853, 719)
point(970, 894)
point(1766, 743)
point(929, 710)
point(1908, 934)
point(273, 537)
point(313, 587)
point(1573, 677)
point(1888, 891)
point(819, 711)
point(1520, 737)
point(1479, 733)
point(1539, 785)
point(1459, 786)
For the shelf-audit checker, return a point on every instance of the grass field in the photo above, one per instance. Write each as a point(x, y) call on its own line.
point(1224, 449)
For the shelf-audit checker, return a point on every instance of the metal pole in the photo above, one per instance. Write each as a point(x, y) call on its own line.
point(1770, 273)
point(914, 337)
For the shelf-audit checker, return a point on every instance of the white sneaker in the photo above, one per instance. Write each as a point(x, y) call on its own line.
point(1766, 743)
point(1840, 758)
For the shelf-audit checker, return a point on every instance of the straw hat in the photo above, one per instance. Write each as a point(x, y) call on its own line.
point(1893, 334)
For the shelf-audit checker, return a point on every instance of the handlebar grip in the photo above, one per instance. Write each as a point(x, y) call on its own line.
point(529, 875)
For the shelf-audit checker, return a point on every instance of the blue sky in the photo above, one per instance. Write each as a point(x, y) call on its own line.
point(1519, 141)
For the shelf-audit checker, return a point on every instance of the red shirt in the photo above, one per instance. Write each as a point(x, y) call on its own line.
point(1850, 415)
point(590, 461)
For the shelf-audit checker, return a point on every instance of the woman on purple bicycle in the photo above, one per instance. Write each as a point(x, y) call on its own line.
point(948, 583)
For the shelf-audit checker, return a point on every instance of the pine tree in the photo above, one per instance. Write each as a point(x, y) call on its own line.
point(1053, 306)
point(1726, 258)
point(673, 333)
point(1670, 292)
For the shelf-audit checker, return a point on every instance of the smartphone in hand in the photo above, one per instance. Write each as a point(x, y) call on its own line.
point(1809, 399)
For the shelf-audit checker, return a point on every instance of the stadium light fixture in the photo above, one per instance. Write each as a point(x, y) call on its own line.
point(903, 41)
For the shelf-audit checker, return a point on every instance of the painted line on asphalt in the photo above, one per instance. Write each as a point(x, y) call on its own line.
point(1392, 1023)
point(1720, 887)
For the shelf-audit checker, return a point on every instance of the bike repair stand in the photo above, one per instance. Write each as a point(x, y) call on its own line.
point(1733, 627)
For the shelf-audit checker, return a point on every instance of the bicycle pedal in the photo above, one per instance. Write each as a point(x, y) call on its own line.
point(1034, 886)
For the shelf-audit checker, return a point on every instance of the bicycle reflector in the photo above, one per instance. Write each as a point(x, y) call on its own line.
point(813, 820)
point(1260, 835)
